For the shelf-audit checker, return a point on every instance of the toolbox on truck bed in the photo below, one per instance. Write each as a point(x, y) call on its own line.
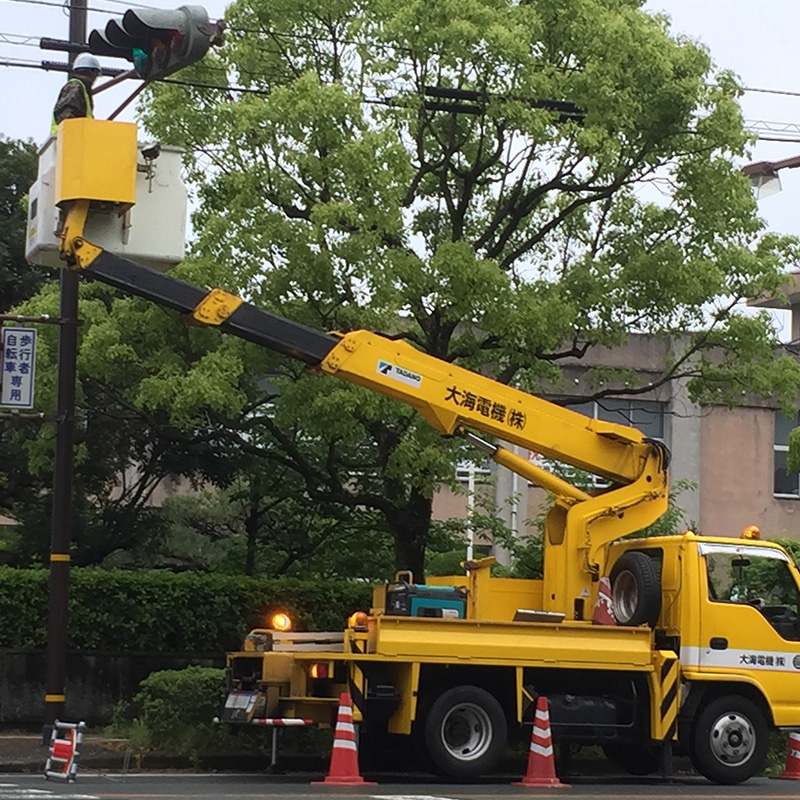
point(418, 600)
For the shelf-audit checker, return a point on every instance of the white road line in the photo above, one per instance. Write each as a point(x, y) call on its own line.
point(407, 797)
point(12, 791)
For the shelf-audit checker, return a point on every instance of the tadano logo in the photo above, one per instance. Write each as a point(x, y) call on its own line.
point(399, 374)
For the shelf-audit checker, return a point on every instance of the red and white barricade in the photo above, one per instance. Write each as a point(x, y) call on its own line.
point(62, 761)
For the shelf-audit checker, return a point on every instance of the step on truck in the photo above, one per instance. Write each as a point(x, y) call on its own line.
point(704, 655)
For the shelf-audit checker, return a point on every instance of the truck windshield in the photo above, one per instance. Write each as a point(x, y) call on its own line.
point(762, 580)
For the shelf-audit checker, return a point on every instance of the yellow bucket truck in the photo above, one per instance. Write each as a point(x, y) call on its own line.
point(704, 657)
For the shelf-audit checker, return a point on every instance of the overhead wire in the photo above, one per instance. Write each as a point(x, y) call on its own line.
point(66, 6)
point(11, 38)
point(8, 38)
point(21, 62)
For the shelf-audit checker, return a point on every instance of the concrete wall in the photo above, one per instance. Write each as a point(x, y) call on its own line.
point(683, 434)
point(737, 474)
point(96, 682)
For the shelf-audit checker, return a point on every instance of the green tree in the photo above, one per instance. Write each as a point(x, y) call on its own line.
point(499, 230)
point(18, 279)
point(496, 230)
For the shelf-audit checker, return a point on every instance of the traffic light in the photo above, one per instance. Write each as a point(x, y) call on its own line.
point(158, 42)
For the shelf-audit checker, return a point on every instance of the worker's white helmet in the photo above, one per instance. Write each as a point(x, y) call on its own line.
point(86, 61)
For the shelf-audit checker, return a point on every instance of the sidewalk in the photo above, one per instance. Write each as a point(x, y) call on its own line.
point(24, 752)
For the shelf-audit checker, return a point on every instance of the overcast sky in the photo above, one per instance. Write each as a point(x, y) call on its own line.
point(756, 40)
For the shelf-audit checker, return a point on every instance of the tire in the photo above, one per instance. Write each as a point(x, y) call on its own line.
point(634, 760)
point(730, 740)
point(635, 590)
point(465, 732)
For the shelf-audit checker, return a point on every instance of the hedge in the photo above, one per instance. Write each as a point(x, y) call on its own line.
point(167, 612)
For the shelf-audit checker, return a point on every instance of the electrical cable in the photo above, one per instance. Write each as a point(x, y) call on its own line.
point(785, 92)
point(772, 127)
point(27, 41)
point(5, 38)
point(65, 6)
point(20, 62)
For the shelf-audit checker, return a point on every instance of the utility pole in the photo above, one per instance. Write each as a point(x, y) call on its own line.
point(61, 524)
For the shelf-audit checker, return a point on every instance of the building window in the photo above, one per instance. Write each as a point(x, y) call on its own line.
point(787, 484)
point(467, 472)
point(644, 415)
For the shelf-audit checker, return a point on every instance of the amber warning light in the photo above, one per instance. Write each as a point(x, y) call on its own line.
point(281, 622)
point(358, 621)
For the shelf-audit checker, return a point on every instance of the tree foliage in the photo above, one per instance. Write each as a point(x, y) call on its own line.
point(338, 187)
point(18, 279)
point(502, 232)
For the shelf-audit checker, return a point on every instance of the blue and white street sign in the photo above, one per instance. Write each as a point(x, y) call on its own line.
point(18, 363)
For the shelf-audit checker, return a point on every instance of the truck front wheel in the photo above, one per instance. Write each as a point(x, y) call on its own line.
point(465, 732)
point(730, 740)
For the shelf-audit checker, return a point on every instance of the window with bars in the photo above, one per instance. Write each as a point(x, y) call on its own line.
point(786, 484)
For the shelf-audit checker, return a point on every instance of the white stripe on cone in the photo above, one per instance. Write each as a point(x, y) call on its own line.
point(344, 744)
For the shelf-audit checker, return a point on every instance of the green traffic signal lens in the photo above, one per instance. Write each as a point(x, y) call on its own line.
point(141, 61)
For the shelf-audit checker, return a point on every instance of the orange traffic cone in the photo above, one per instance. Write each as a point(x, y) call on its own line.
point(792, 771)
point(603, 608)
point(541, 764)
point(343, 770)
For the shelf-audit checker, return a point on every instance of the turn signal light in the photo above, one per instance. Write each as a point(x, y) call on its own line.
point(281, 622)
point(319, 671)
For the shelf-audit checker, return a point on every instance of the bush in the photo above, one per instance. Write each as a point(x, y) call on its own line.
point(167, 612)
point(173, 713)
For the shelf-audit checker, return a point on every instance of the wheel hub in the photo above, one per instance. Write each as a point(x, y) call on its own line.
point(467, 732)
point(625, 596)
point(732, 739)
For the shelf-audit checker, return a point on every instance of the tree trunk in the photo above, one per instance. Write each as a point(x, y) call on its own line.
point(409, 525)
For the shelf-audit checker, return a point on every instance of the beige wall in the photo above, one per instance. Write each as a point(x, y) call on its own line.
point(736, 475)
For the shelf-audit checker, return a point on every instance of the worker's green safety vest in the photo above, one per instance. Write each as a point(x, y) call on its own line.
point(54, 125)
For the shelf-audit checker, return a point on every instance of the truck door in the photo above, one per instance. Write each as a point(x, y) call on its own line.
point(749, 622)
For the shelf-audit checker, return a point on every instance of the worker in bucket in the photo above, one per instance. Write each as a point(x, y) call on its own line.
point(75, 97)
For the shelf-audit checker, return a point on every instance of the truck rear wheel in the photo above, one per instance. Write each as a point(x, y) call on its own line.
point(635, 590)
point(465, 732)
point(730, 740)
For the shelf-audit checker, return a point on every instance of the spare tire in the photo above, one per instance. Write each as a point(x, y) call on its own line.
point(635, 590)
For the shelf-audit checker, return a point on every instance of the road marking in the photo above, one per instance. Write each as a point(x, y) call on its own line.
point(9, 791)
point(408, 797)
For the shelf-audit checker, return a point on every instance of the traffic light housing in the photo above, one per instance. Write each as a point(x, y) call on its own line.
point(157, 42)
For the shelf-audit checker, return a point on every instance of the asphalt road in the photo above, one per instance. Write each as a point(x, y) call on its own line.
point(233, 787)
